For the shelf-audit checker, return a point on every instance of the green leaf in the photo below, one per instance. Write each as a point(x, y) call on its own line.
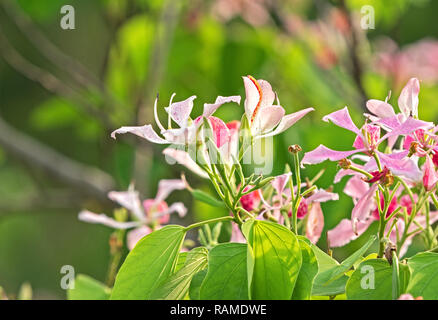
point(87, 288)
point(308, 272)
point(152, 260)
point(226, 278)
point(424, 278)
point(332, 280)
point(274, 260)
point(177, 285)
point(325, 262)
point(182, 257)
point(195, 285)
point(372, 280)
point(206, 198)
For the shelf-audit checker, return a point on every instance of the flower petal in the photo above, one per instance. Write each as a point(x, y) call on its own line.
point(146, 132)
point(407, 127)
point(279, 183)
point(236, 234)
point(322, 153)
point(91, 217)
point(363, 207)
point(267, 119)
point(180, 111)
point(210, 108)
point(252, 97)
point(166, 186)
point(315, 223)
point(321, 195)
point(342, 119)
point(268, 96)
point(343, 233)
point(430, 176)
point(287, 121)
point(221, 133)
point(380, 108)
point(408, 99)
point(130, 200)
point(136, 235)
point(356, 188)
point(405, 167)
point(184, 159)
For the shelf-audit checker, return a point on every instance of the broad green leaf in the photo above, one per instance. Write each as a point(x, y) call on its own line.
point(424, 277)
point(87, 288)
point(372, 280)
point(308, 272)
point(151, 261)
point(177, 285)
point(274, 260)
point(180, 261)
point(206, 198)
point(332, 280)
point(226, 278)
point(195, 285)
point(325, 262)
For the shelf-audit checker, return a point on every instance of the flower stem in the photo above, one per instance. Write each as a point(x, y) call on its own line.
point(199, 224)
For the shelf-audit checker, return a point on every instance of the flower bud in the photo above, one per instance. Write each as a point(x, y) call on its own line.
point(295, 148)
point(344, 163)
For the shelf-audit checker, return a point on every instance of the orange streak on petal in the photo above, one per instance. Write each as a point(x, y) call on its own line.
point(259, 89)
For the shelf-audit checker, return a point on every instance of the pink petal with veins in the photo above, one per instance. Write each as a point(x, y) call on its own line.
point(322, 153)
point(146, 132)
point(342, 119)
point(315, 223)
point(343, 233)
point(362, 210)
point(180, 111)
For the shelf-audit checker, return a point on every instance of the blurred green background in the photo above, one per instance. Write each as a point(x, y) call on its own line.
point(63, 91)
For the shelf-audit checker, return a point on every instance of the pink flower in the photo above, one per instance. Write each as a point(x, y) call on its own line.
point(251, 200)
point(367, 141)
point(179, 113)
point(408, 296)
point(153, 212)
point(265, 118)
point(430, 176)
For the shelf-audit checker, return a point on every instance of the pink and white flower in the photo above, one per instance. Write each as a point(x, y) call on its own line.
point(146, 216)
point(266, 119)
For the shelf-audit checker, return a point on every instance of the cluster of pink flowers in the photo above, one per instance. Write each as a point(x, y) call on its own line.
point(392, 175)
point(409, 142)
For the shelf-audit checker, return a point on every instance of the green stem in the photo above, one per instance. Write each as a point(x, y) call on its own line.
point(199, 224)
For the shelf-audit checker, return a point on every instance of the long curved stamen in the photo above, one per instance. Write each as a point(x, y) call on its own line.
point(259, 89)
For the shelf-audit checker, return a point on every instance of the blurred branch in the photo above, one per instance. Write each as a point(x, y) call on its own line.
point(84, 178)
point(63, 61)
point(47, 80)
